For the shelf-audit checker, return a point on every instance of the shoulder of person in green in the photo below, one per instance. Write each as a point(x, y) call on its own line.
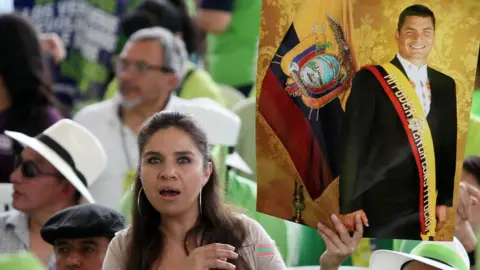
point(238, 44)
point(472, 146)
point(20, 261)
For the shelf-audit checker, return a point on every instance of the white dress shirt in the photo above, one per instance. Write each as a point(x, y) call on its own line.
point(418, 76)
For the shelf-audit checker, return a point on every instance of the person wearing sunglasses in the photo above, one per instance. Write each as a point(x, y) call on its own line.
point(53, 172)
point(151, 65)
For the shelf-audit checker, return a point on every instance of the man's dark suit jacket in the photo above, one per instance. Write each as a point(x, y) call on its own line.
point(378, 173)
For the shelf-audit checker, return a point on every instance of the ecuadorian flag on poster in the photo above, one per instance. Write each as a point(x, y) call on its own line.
point(300, 105)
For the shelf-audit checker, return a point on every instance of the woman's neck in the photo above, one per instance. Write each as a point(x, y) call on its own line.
point(176, 228)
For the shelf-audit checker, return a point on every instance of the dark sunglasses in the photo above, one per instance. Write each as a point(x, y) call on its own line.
point(30, 170)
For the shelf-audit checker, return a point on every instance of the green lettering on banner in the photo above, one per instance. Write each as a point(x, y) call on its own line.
point(109, 6)
point(132, 4)
point(122, 40)
point(43, 2)
point(92, 72)
point(72, 66)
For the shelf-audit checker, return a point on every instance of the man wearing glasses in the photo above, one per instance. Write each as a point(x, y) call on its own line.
point(149, 68)
point(53, 172)
point(80, 235)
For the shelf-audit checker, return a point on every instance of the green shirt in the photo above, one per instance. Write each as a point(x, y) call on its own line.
point(232, 55)
point(476, 103)
point(472, 147)
point(192, 7)
point(20, 261)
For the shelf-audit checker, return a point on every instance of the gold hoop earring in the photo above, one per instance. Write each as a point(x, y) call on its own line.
point(200, 202)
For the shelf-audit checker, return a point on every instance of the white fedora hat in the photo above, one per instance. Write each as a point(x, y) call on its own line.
point(75, 152)
point(221, 125)
point(439, 254)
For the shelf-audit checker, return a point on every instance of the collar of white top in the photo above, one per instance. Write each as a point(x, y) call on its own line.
point(415, 71)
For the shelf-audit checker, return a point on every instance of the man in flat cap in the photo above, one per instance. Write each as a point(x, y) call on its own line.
point(80, 235)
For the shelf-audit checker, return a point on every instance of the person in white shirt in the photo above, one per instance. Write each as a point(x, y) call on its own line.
point(399, 137)
point(151, 65)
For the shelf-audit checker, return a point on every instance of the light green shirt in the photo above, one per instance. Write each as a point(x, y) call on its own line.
point(232, 55)
point(476, 102)
point(472, 147)
point(192, 7)
point(20, 261)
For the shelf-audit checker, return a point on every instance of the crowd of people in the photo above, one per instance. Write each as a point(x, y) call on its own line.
point(72, 170)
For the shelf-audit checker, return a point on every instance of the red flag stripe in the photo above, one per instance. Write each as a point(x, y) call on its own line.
point(294, 131)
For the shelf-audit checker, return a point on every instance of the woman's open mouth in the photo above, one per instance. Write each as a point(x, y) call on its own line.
point(168, 193)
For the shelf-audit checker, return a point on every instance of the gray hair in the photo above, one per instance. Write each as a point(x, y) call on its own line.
point(175, 55)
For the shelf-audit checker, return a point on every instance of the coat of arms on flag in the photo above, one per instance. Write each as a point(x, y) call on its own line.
point(300, 107)
point(315, 74)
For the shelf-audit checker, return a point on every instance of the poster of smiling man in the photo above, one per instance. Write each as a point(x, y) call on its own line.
point(362, 109)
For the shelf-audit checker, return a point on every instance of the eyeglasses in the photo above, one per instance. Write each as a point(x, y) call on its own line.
point(30, 170)
point(138, 66)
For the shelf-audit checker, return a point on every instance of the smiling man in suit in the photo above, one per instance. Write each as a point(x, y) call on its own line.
point(399, 138)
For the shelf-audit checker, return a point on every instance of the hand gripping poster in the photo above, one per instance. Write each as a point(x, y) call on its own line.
point(363, 108)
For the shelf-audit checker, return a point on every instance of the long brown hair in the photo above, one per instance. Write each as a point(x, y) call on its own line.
point(25, 76)
point(216, 224)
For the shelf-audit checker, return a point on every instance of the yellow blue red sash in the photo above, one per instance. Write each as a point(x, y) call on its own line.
point(409, 110)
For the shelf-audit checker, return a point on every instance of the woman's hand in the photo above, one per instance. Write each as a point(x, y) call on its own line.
point(53, 44)
point(211, 256)
point(468, 195)
point(340, 245)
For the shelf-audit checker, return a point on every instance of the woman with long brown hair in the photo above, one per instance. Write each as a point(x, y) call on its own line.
point(26, 97)
point(179, 219)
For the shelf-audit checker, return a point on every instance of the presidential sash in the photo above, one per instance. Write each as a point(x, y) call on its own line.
point(407, 104)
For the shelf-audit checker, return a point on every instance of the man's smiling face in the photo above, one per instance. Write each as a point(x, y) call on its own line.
point(415, 39)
